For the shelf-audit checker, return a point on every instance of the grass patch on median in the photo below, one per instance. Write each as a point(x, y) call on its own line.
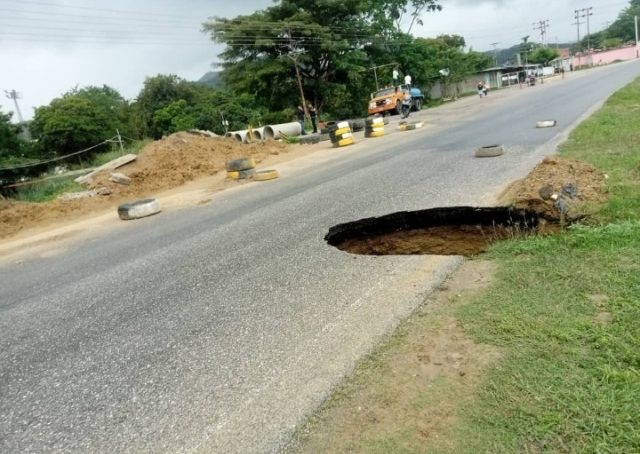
point(558, 327)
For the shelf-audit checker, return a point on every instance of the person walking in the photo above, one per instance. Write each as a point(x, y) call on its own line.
point(313, 114)
point(480, 89)
point(300, 115)
point(395, 75)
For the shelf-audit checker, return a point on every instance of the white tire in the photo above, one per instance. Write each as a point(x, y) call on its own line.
point(546, 124)
point(489, 151)
point(138, 209)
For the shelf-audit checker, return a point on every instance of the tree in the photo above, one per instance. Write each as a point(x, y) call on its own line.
point(80, 119)
point(392, 14)
point(9, 141)
point(319, 50)
point(543, 55)
point(624, 25)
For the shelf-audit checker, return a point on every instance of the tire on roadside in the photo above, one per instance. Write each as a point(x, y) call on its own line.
point(489, 151)
point(240, 164)
point(264, 175)
point(138, 209)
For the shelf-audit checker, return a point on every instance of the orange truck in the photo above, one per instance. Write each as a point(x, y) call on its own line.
point(388, 100)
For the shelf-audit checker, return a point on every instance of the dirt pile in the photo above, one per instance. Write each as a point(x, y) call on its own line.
point(161, 165)
point(557, 189)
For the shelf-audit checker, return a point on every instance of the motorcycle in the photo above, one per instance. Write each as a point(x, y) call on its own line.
point(405, 107)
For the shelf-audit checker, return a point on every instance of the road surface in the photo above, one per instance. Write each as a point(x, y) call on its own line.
point(219, 328)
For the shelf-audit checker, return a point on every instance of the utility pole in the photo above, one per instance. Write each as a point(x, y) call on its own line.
point(577, 22)
point(15, 96)
point(542, 25)
point(637, 48)
point(294, 59)
point(495, 52)
point(586, 12)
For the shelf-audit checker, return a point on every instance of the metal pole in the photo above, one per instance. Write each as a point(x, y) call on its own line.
point(120, 142)
point(375, 75)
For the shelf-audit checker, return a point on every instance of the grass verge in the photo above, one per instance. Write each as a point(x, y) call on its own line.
point(563, 312)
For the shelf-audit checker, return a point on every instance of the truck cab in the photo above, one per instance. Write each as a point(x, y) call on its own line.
point(388, 100)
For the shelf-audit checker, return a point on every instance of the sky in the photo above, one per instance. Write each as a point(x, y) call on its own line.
point(48, 47)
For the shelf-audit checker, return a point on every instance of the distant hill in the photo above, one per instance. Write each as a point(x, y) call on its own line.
point(509, 56)
point(211, 79)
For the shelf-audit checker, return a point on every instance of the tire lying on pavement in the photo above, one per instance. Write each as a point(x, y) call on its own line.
point(489, 151)
point(264, 175)
point(546, 124)
point(138, 209)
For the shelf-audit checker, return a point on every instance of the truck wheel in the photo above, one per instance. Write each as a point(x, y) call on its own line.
point(417, 104)
point(398, 107)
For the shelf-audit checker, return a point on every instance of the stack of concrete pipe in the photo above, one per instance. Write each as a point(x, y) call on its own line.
point(268, 132)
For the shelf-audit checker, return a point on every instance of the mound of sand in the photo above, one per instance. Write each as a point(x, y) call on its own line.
point(161, 165)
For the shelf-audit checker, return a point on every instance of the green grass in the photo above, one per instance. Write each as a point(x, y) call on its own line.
point(566, 312)
point(46, 190)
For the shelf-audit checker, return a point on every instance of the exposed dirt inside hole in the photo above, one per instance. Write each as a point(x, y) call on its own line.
point(556, 192)
point(466, 240)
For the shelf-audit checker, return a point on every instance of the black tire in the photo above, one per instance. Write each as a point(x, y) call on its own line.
point(398, 107)
point(240, 164)
point(417, 104)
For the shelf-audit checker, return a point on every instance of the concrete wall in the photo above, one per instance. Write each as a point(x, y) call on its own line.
point(606, 57)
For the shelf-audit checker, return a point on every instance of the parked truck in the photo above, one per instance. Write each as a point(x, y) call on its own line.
point(389, 100)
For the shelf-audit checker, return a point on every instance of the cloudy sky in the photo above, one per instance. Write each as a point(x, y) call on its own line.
point(49, 46)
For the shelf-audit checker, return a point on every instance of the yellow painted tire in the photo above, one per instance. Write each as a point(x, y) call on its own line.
point(374, 134)
point(240, 164)
point(264, 175)
point(376, 129)
point(339, 132)
point(233, 175)
point(375, 122)
point(344, 142)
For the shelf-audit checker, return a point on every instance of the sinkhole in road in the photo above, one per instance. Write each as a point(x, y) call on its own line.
point(463, 230)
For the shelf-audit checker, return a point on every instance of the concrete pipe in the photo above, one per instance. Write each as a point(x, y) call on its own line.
point(229, 134)
point(289, 129)
point(241, 136)
point(258, 133)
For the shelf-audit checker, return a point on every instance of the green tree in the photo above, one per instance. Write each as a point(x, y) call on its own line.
point(327, 46)
point(624, 26)
point(543, 55)
point(80, 119)
point(157, 93)
point(9, 140)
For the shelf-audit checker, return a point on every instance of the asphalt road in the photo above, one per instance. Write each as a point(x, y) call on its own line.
point(218, 328)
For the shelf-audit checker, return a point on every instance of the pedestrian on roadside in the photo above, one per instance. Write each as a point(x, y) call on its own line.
point(480, 89)
point(562, 71)
point(300, 115)
point(395, 75)
point(313, 114)
point(407, 81)
point(485, 88)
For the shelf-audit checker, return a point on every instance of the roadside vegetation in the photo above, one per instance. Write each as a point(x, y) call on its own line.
point(553, 359)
